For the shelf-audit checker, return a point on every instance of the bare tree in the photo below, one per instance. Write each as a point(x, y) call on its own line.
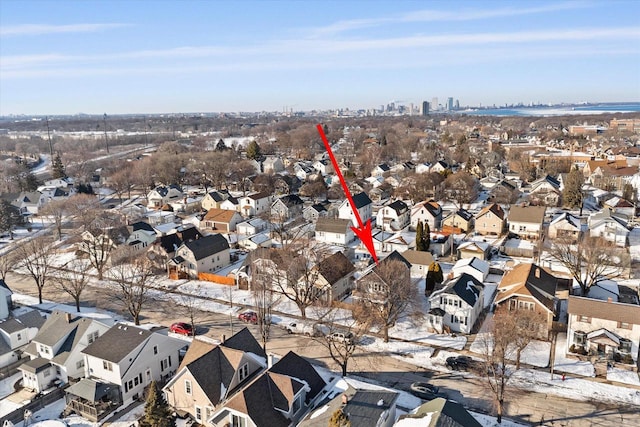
point(7, 263)
point(56, 210)
point(134, 281)
point(341, 341)
point(73, 279)
point(83, 208)
point(498, 347)
point(37, 259)
point(589, 261)
point(387, 293)
point(461, 188)
point(528, 325)
point(190, 304)
point(263, 298)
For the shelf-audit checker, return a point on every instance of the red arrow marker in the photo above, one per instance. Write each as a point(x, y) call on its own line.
point(363, 231)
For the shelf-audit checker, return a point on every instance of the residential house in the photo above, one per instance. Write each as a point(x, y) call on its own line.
point(209, 374)
point(565, 226)
point(128, 358)
point(419, 260)
point(362, 204)
point(254, 242)
point(546, 192)
point(388, 242)
point(214, 199)
point(620, 205)
point(610, 226)
point(365, 408)
point(287, 207)
point(156, 218)
point(380, 171)
point(439, 167)
point(163, 195)
point(505, 191)
point(207, 254)
point(278, 397)
point(473, 249)
point(325, 167)
point(461, 219)
point(230, 204)
point(186, 205)
point(374, 282)
point(302, 170)
point(165, 247)
point(526, 221)
point(393, 217)
point(6, 303)
point(272, 164)
point(221, 220)
point(457, 305)
point(438, 412)
point(604, 328)
point(423, 167)
point(141, 235)
point(490, 221)
point(56, 350)
point(286, 184)
point(334, 231)
point(17, 332)
point(251, 227)
point(317, 210)
point(530, 287)
point(429, 212)
point(334, 277)
point(474, 267)
point(255, 204)
point(29, 203)
point(99, 242)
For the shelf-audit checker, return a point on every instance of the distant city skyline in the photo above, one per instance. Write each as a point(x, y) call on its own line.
point(68, 57)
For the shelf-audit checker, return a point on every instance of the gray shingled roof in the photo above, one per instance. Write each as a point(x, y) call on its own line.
point(207, 246)
point(60, 325)
point(333, 225)
point(30, 319)
point(35, 365)
point(467, 287)
point(399, 206)
point(335, 267)
point(295, 366)
point(115, 344)
point(361, 199)
point(364, 406)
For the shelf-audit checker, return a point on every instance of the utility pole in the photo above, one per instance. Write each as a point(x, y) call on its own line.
point(49, 136)
point(106, 139)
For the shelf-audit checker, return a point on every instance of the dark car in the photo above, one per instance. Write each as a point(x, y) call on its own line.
point(249, 317)
point(460, 363)
point(425, 391)
point(181, 328)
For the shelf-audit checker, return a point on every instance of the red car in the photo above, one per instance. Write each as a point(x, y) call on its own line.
point(181, 328)
point(249, 317)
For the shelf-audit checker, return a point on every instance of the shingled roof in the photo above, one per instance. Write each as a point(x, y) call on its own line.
point(115, 344)
point(335, 267)
point(529, 279)
point(206, 246)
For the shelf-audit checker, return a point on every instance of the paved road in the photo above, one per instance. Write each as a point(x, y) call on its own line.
point(522, 405)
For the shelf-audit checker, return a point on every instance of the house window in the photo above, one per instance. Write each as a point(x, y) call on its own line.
point(624, 325)
point(297, 404)
point(585, 319)
point(238, 421)
point(198, 414)
point(187, 386)
point(243, 372)
point(92, 337)
point(107, 365)
point(80, 364)
point(155, 349)
point(525, 305)
point(19, 337)
point(46, 372)
point(625, 346)
point(164, 364)
point(579, 337)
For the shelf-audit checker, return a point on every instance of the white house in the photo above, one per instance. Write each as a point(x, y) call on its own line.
point(272, 164)
point(161, 195)
point(526, 221)
point(56, 351)
point(334, 231)
point(456, 307)
point(565, 225)
point(29, 203)
point(474, 267)
point(206, 254)
point(393, 217)
point(251, 227)
point(16, 333)
point(363, 204)
point(429, 212)
point(255, 204)
point(605, 328)
point(610, 227)
point(324, 167)
point(131, 357)
point(142, 235)
point(5, 300)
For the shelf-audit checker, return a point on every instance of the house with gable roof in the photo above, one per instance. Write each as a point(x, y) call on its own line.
point(461, 218)
point(334, 231)
point(480, 250)
point(214, 199)
point(363, 204)
point(165, 247)
point(475, 267)
point(491, 220)
point(162, 195)
point(546, 192)
point(565, 226)
point(211, 373)
point(141, 235)
point(56, 350)
point(530, 287)
point(221, 220)
point(206, 254)
point(457, 305)
point(428, 212)
point(419, 260)
point(526, 221)
point(278, 397)
point(334, 279)
point(121, 363)
point(438, 412)
point(611, 226)
point(17, 332)
point(255, 204)
point(6, 303)
point(29, 203)
point(287, 207)
point(393, 217)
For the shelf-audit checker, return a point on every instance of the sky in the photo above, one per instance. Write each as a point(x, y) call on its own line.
point(148, 56)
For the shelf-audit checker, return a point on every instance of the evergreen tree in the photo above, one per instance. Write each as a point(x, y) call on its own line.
point(29, 182)
point(419, 239)
point(57, 168)
point(221, 146)
point(253, 151)
point(9, 217)
point(434, 277)
point(156, 410)
point(572, 193)
point(426, 237)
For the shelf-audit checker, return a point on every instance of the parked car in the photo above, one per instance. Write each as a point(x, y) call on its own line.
point(249, 317)
point(425, 391)
point(302, 328)
point(181, 328)
point(461, 363)
point(346, 337)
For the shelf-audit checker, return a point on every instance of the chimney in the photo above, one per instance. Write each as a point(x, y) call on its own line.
point(537, 273)
point(609, 299)
point(222, 339)
point(67, 317)
point(345, 399)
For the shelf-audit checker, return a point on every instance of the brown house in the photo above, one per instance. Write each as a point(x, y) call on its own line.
point(221, 220)
point(490, 221)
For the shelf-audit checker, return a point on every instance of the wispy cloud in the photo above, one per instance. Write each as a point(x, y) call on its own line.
point(38, 29)
point(441, 16)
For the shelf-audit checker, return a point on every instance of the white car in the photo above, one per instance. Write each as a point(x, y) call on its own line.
point(302, 328)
